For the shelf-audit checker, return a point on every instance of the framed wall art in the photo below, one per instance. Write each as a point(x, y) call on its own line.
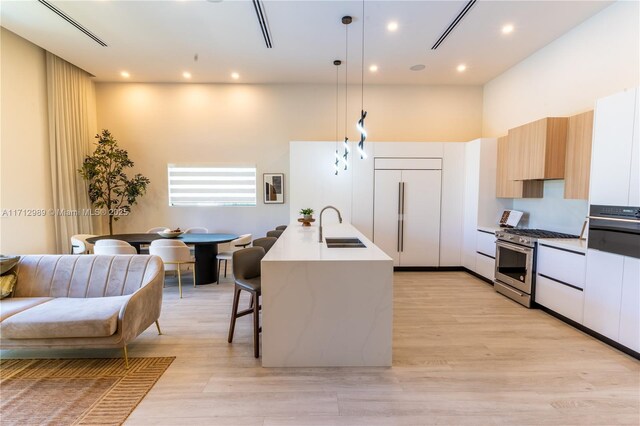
point(273, 188)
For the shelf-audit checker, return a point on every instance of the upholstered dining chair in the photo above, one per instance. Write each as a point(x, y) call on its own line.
point(196, 230)
point(274, 233)
point(157, 229)
point(241, 242)
point(246, 270)
point(79, 244)
point(265, 242)
point(281, 227)
point(109, 246)
point(174, 254)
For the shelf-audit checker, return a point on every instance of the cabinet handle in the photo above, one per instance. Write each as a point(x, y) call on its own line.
point(399, 216)
point(402, 227)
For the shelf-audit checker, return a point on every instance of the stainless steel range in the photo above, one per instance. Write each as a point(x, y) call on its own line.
point(516, 262)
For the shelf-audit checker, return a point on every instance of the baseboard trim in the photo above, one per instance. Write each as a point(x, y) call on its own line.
point(590, 332)
point(480, 277)
point(428, 268)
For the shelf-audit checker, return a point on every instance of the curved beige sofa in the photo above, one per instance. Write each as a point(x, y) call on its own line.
point(83, 301)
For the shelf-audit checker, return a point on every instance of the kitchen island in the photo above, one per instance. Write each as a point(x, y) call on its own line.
point(326, 307)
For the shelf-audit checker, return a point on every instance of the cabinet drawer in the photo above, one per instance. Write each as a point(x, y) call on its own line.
point(560, 298)
point(485, 266)
point(562, 265)
point(486, 243)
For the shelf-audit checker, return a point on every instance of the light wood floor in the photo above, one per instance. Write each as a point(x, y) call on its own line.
point(463, 355)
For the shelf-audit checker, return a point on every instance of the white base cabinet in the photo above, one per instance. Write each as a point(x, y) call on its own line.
point(560, 280)
point(630, 307)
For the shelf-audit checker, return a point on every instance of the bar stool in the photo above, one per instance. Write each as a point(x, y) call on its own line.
point(281, 227)
point(266, 243)
point(246, 270)
point(274, 234)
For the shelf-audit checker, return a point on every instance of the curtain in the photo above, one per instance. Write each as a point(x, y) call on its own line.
point(72, 126)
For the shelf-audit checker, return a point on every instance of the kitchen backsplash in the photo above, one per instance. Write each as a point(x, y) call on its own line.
point(553, 212)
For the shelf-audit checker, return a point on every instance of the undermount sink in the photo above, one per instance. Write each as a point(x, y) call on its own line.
point(344, 243)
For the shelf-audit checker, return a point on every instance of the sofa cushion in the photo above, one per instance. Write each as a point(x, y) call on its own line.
point(7, 282)
point(65, 318)
point(13, 305)
point(7, 262)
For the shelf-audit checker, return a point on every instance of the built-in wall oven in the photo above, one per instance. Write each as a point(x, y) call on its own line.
point(615, 229)
point(516, 262)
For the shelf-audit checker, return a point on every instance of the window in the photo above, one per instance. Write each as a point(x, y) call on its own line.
point(211, 185)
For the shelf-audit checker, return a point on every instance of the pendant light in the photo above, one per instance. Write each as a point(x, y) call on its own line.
point(346, 20)
point(363, 113)
point(337, 63)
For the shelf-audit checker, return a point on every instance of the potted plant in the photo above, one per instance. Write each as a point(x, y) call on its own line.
point(307, 214)
point(109, 187)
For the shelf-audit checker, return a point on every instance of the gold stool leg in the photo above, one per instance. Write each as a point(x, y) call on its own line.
point(194, 275)
point(158, 327)
point(126, 357)
point(179, 281)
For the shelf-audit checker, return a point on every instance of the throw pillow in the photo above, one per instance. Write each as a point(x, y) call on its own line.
point(7, 282)
point(8, 262)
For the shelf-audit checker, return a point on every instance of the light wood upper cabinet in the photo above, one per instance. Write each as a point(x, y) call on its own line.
point(578, 157)
point(507, 188)
point(539, 149)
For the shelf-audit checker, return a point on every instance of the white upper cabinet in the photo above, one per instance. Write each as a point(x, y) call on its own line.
point(613, 156)
point(634, 185)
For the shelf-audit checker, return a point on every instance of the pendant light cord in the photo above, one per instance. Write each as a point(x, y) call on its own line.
point(337, 101)
point(346, 76)
point(362, 70)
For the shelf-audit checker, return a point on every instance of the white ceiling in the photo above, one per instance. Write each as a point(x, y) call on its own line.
point(155, 41)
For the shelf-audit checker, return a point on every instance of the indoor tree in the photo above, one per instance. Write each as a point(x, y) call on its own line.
point(109, 187)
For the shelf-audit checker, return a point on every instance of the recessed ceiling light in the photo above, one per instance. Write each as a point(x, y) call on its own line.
point(507, 29)
point(418, 67)
point(461, 68)
point(373, 68)
point(186, 74)
point(392, 26)
point(235, 75)
point(125, 74)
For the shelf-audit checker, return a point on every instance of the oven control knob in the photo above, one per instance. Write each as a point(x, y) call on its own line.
point(524, 241)
point(510, 237)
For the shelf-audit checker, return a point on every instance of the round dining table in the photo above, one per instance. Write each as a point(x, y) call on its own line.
point(206, 250)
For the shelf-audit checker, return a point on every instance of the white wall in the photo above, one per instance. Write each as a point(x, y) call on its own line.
point(25, 170)
point(597, 58)
point(204, 123)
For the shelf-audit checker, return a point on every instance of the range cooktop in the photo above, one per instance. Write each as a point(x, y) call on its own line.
point(536, 233)
point(528, 237)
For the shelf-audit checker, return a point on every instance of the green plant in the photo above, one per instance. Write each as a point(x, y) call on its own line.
point(306, 212)
point(109, 187)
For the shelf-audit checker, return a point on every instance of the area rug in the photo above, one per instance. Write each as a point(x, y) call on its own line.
point(75, 391)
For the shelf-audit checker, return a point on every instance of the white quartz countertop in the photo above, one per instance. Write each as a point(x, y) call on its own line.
point(491, 228)
point(574, 244)
point(299, 243)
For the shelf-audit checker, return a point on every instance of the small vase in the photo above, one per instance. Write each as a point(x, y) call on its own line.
point(308, 217)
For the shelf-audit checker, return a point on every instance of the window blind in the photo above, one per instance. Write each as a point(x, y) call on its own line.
point(211, 186)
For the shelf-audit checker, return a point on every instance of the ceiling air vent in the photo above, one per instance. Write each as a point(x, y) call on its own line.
point(262, 20)
point(455, 22)
point(73, 22)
